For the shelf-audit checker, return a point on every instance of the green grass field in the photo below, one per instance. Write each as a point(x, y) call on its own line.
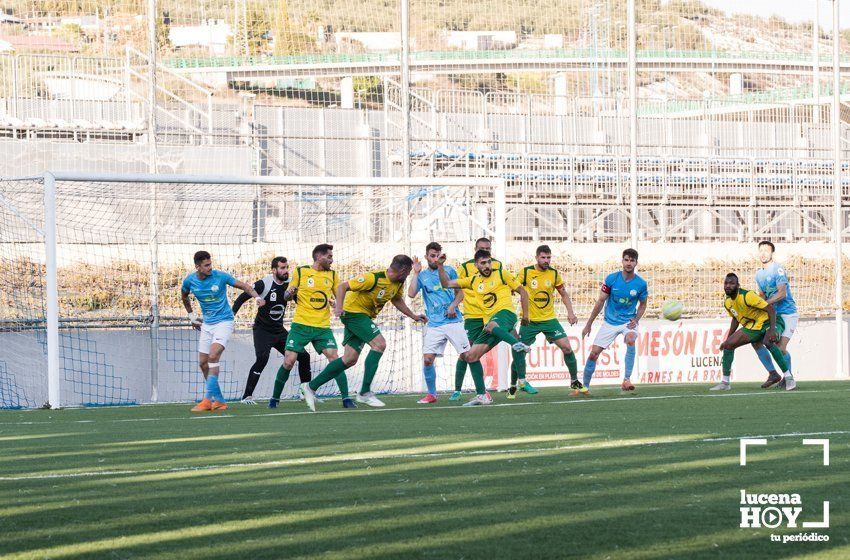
point(654, 474)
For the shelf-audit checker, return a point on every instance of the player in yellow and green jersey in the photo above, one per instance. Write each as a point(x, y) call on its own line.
point(542, 282)
point(759, 323)
point(312, 288)
point(473, 315)
point(492, 290)
point(358, 303)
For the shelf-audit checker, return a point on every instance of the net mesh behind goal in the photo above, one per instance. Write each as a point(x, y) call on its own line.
point(114, 240)
point(123, 249)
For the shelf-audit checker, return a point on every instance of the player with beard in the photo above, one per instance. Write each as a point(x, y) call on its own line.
point(543, 282)
point(268, 328)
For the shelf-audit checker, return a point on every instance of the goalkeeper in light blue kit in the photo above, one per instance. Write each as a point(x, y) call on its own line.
point(624, 295)
point(773, 285)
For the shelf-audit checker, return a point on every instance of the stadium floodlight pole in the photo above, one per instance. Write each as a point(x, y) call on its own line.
point(632, 63)
point(405, 86)
point(54, 395)
point(837, 225)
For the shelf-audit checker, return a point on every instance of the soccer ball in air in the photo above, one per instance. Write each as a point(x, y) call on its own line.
point(672, 309)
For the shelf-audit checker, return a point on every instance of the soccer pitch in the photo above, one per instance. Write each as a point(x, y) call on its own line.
point(649, 475)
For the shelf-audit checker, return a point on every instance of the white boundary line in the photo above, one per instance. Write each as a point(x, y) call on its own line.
point(388, 454)
point(572, 401)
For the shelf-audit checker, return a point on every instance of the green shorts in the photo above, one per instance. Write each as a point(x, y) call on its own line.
point(473, 328)
point(551, 329)
point(300, 336)
point(359, 330)
point(505, 319)
point(757, 336)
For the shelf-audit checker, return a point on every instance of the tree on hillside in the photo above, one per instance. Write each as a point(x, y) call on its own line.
point(287, 38)
point(251, 34)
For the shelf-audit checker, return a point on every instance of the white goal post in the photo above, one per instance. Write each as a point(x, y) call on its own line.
point(91, 265)
point(115, 245)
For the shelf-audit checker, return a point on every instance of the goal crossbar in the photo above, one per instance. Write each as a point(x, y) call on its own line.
point(51, 178)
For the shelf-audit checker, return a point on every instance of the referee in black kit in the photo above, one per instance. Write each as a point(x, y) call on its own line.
point(268, 328)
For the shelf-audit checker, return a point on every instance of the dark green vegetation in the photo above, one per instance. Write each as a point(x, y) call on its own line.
point(544, 477)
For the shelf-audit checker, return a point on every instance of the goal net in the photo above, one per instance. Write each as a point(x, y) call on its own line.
point(91, 268)
point(118, 248)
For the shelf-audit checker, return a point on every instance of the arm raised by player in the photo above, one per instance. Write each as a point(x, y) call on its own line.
point(399, 304)
point(243, 297)
point(249, 289)
point(597, 307)
point(445, 281)
point(568, 303)
point(451, 310)
point(413, 288)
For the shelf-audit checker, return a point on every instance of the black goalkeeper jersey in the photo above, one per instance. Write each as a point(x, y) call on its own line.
point(270, 316)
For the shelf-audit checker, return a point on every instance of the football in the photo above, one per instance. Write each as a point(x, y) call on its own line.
point(672, 309)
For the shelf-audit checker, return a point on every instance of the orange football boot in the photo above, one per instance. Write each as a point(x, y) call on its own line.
point(203, 406)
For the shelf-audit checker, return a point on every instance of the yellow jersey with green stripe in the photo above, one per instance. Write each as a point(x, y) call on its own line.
point(542, 286)
point(471, 307)
point(493, 293)
point(368, 293)
point(748, 309)
point(316, 289)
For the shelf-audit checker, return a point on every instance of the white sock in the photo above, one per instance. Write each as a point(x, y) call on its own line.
point(726, 379)
point(787, 374)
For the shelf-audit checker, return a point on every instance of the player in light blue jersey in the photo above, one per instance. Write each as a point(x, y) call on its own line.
point(773, 285)
point(445, 322)
point(624, 295)
point(209, 287)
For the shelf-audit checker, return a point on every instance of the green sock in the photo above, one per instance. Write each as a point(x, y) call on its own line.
point(513, 370)
point(518, 365)
point(504, 335)
point(460, 373)
point(570, 360)
point(342, 384)
point(779, 358)
point(330, 372)
point(728, 356)
point(279, 381)
point(477, 371)
point(370, 369)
